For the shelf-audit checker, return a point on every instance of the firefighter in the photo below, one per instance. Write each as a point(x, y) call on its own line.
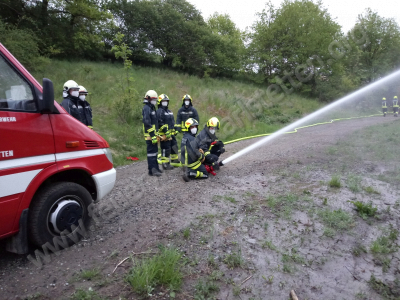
point(191, 157)
point(71, 102)
point(384, 106)
point(150, 128)
point(209, 143)
point(87, 110)
point(185, 112)
point(166, 124)
point(395, 106)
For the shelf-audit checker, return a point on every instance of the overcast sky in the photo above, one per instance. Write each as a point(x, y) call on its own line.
point(345, 12)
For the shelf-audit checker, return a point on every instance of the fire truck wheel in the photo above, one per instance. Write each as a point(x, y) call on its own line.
point(59, 215)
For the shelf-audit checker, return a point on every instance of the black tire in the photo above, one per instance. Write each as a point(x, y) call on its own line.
point(61, 204)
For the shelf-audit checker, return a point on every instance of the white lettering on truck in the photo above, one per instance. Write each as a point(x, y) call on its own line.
point(7, 153)
point(8, 119)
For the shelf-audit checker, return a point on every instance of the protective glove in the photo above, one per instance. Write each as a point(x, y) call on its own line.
point(222, 150)
point(168, 134)
point(154, 139)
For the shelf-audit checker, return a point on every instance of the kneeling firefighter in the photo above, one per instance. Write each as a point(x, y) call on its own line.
point(191, 157)
point(166, 129)
point(210, 145)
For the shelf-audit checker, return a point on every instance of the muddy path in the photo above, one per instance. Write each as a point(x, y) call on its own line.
point(271, 209)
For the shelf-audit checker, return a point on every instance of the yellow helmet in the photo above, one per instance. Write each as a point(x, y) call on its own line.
point(395, 97)
point(162, 97)
point(189, 123)
point(213, 122)
point(186, 97)
point(383, 98)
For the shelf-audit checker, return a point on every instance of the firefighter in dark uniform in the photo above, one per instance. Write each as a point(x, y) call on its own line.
point(150, 131)
point(395, 106)
point(191, 157)
point(185, 112)
point(87, 110)
point(166, 124)
point(209, 143)
point(71, 102)
point(384, 106)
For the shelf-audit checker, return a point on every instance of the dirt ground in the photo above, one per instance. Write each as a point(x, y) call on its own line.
point(269, 209)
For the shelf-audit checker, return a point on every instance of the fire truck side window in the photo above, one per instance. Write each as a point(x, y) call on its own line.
point(15, 93)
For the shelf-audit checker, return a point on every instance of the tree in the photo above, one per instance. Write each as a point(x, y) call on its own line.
point(295, 36)
point(376, 44)
point(67, 27)
point(227, 46)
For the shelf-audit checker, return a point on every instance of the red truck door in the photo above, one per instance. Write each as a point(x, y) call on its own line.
point(26, 140)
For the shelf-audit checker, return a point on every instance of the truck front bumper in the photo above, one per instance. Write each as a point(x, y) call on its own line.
point(105, 182)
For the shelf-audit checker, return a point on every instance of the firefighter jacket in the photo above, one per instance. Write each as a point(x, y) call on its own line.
point(395, 103)
point(150, 124)
point(165, 119)
point(184, 114)
point(384, 104)
point(78, 109)
point(205, 138)
point(191, 157)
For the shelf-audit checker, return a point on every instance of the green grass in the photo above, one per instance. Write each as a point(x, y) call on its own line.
point(186, 233)
point(335, 182)
point(336, 220)
point(269, 245)
point(371, 190)
point(81, 294)
point(234, 260)
point(205, 289)
point(283, 206)
point(354, 183)
point(364, 210)
point(89, 274)
point(386, 243)
point(162, 269)
point(233, 102)
point(359, 249)
point(389, 290)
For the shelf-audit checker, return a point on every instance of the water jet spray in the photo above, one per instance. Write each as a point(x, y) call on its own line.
point(321, 111)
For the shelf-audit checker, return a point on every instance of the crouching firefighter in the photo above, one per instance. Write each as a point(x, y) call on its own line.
point(166, 124)
point(191, 156)
point(150, 127)
point(210, 145)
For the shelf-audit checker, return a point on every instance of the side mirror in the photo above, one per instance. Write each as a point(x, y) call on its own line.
point(47, 103)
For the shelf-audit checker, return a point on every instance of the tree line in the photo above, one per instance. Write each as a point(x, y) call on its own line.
point(296, 47)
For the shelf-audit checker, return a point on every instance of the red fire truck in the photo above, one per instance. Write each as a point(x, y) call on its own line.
point(52, 167)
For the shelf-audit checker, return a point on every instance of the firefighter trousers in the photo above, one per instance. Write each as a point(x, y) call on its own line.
point(152, 152)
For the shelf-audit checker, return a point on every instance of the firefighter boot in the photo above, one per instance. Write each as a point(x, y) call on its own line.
point(167, 166)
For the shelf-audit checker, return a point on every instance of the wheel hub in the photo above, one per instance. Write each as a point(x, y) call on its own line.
point(67, 213)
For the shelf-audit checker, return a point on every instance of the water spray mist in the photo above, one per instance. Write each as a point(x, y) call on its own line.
point(305, 119)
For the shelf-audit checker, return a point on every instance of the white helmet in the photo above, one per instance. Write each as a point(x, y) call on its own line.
point(82, 90)
point(150, 95)
point(70, 84)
